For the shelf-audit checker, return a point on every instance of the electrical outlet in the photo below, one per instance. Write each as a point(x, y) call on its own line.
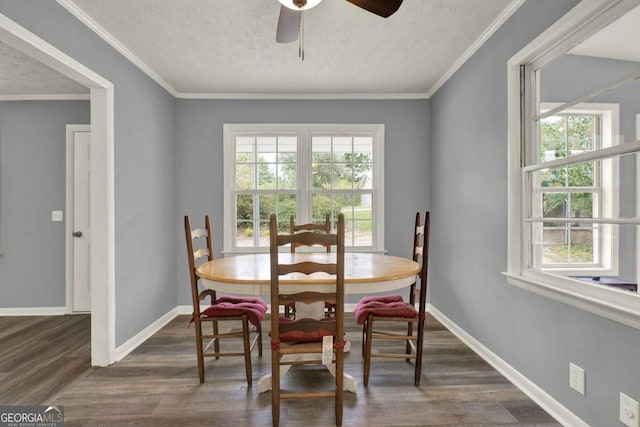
point(576, 378)
point(56, 216)
point(629, 411)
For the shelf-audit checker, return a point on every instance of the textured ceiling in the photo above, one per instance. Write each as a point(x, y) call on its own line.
point(228, 46)
point(22, 75)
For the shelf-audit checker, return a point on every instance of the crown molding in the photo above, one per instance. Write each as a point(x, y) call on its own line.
point(303, 96)
point(486, 34)
point(115, 43)
point(47, 97)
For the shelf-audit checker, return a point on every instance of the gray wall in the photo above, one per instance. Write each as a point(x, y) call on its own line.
point(468, 166)
point(571, 76)
point(145, 178)
point(200, 161)
point(32, 179)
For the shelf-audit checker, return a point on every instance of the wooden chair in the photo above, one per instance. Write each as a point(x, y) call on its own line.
point(290, 309)
point(393, 309)
point(305, 336)
point(246, 310)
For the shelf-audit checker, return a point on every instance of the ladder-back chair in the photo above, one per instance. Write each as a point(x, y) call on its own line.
point(305, 336)
point(247, 310)
point(393, 309)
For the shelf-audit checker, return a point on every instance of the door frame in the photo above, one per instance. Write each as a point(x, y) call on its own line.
point(69, 206)
point(101, 199)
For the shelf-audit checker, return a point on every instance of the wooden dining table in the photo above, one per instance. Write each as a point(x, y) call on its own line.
point(250, 274)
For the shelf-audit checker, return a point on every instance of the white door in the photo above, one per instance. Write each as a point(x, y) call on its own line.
point(78, 142)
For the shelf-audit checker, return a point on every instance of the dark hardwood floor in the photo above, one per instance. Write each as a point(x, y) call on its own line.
point(45, 360)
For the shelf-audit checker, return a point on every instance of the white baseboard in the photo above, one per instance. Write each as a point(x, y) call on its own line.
point(132, 343)
point(563, 415)
point(33, 311)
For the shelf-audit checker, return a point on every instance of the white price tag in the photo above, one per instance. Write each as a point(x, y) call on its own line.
point(327, 350)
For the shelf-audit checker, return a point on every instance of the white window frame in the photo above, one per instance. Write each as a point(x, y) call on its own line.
point(304, 133)
point(607, 189)
point(583, 20)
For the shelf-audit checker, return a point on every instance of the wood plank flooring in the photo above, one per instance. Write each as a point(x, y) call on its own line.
point(157, 384)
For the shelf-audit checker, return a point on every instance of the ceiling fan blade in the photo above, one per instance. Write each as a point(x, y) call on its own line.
point(384, 8)
point(288, 25)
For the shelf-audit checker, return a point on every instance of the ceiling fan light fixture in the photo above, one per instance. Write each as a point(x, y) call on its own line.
point(299, 4)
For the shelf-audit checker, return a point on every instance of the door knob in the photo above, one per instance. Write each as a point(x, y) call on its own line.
point(77, 234)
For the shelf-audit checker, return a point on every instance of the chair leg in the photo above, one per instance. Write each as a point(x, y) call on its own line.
point(199, 350)
point(419, 344)
point(247, 347)
point(409, 333)
point(367, 351)
point(339, 385)
point(259, 331)
point(216, 341)
point(364, 336)
point(275, 387)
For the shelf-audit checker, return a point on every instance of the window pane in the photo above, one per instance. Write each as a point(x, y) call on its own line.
point(554, 205)
point(244, 149)
point(320, 205)
point(581, 245)
point(581, 205)
point(362, 175)
point(553, 138)
point(264, 233)
point(287, 175)
point(342, 149)
point(286, 207)
point(244, 234)
point(266, 176)
point(321, 149)
point(267, 204)
point(321, 176)
point(244, 176)
point(362, 233)
point(267, 149)
point(342, 177)
point(555, 249)
point(581, 133)
point(567, 134)
point(244, 207)
point(580, 175)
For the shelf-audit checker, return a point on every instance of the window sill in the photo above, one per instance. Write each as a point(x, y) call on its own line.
point(614, 304)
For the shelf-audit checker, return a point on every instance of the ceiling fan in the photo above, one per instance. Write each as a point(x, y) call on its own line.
point(289, 23)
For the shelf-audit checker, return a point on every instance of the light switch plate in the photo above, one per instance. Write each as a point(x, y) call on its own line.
point(57, 216)
point(629, 411)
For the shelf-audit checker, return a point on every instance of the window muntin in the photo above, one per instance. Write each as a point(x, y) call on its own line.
point(305, 171)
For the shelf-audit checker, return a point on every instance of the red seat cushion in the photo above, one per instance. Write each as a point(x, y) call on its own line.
point(384, 306)
point(304, 336)
point(229, 306)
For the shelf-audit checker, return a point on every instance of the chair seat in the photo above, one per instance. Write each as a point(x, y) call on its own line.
point(229, 306)
point(301, 335)
point(383, 306)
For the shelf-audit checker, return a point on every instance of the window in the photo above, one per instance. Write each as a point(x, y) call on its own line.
point(561, 195)
point(305, 171)
point(574, 165)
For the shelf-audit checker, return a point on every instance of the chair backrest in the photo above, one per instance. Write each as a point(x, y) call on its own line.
point(421, 256)
point(199, 249)
point(300, 228)
point(307, 265)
